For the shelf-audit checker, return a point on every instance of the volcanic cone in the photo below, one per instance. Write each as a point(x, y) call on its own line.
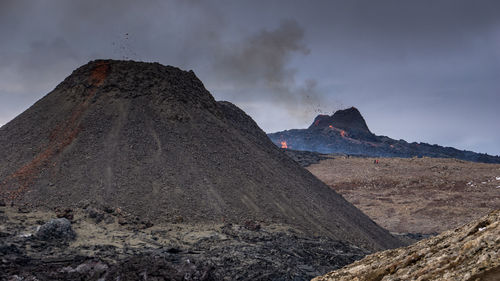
point(151, 140)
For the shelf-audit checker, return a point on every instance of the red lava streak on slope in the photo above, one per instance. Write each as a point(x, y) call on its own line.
point(62, 136)
point(99, 74)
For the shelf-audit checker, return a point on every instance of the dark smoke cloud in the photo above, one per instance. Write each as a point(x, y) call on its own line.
point(263, 56)
point(258, 68)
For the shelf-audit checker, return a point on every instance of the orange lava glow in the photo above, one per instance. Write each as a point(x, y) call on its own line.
point(331, 127)
point(283, 144)
point(343, 133)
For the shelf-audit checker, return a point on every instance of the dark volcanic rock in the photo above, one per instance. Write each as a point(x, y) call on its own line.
point(151, 140)
point(56, 229)
point(95, 214)
point(349, 120)
point(346, 132)
point(64, 213)
point(224, 252)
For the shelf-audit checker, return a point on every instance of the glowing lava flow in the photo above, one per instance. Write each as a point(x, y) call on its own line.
point(283, 144)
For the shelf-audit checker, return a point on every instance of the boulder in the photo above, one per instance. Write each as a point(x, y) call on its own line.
point(56, 229)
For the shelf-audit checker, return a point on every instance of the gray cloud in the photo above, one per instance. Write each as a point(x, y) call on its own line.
point(419, 70)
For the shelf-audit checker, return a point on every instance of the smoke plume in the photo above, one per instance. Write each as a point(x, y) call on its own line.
point(258, 68)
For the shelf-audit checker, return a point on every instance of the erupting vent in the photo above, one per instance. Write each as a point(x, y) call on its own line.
point(283, 144)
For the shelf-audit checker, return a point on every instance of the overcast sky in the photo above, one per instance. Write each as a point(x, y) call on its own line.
point(425, 71)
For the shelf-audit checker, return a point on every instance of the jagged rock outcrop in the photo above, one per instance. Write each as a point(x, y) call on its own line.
point(151, 140)
point(470, 252)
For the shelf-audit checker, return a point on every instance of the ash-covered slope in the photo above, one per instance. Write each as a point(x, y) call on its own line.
point(151, 140)
point(346, 132)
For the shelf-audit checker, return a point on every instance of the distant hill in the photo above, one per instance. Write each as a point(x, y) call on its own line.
point(346, 132)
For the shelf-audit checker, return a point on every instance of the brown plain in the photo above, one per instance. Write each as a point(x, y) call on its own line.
point(414, 195)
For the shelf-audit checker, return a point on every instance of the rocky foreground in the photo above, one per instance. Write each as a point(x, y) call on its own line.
point(471, 252)
point(109, 244)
